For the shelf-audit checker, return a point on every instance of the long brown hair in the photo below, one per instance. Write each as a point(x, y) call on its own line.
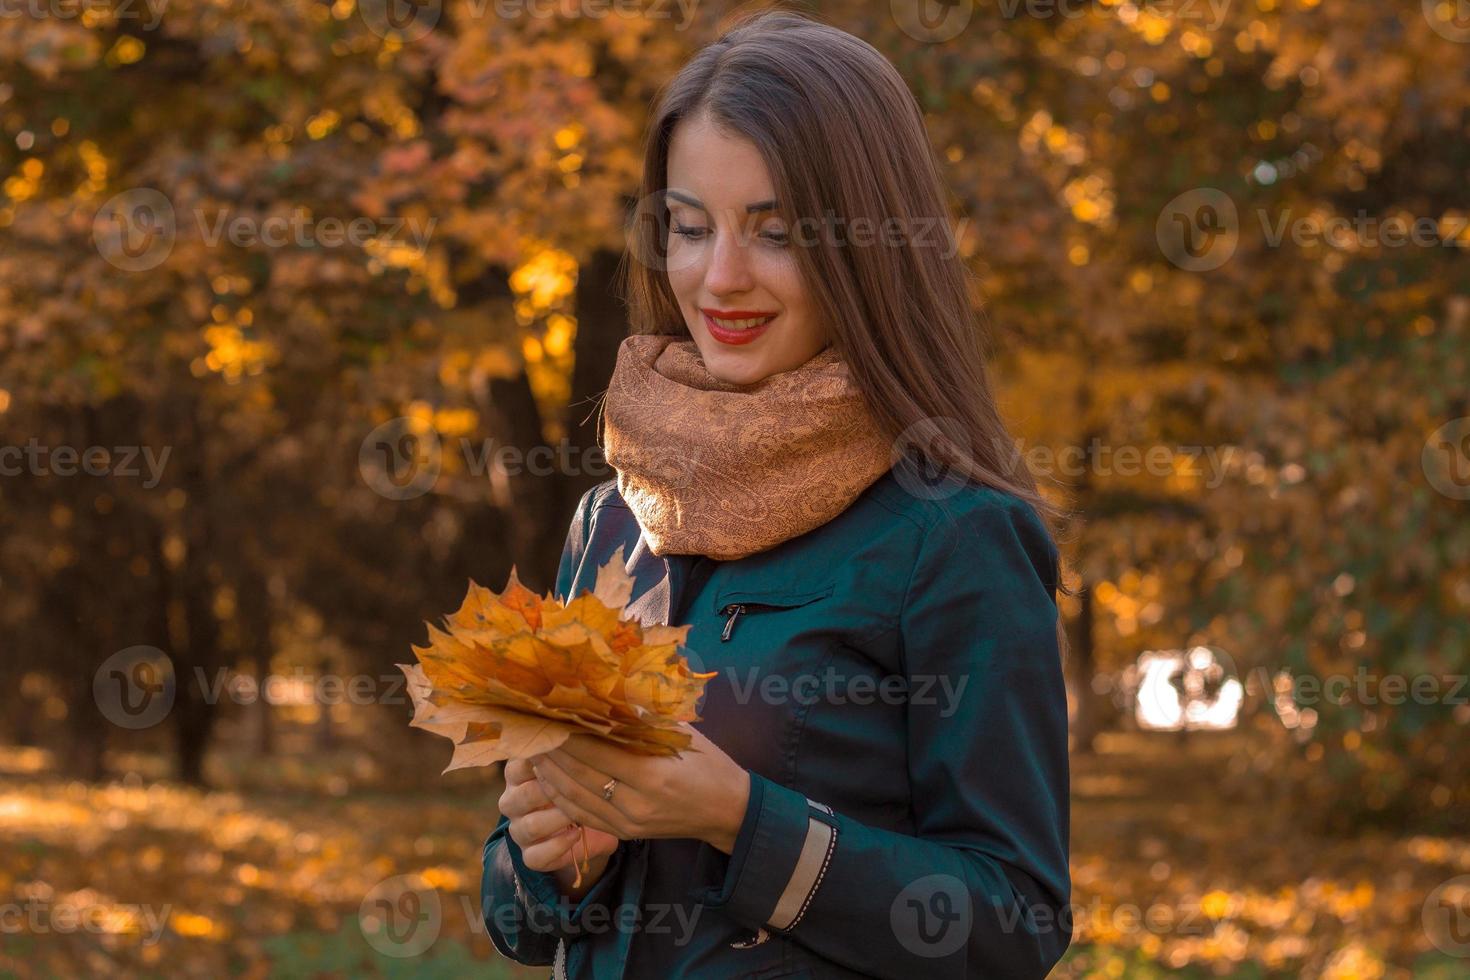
point(843, 138)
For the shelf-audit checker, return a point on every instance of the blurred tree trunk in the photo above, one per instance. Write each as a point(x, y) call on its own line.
point(254, 622)
point(1088, 719)
point(1084, 668)
point(78, 600)
point(527, 493)
point(326, 733)
point(193, 626)
point(602, 323)
point(514, 419)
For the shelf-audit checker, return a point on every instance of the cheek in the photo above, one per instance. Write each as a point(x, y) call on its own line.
point(783, 280)
point(684, 281)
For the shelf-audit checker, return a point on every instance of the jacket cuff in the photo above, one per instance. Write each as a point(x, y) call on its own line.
point(548, 908)
point(781, 854)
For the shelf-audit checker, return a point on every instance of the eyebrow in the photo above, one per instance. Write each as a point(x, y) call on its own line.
point(696, 203)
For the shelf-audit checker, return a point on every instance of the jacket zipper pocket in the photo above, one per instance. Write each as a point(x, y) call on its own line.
point(732, 610)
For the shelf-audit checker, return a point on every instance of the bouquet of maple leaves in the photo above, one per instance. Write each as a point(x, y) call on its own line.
point(516, 674)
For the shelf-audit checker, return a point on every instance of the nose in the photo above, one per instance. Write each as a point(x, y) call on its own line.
point(728, 271)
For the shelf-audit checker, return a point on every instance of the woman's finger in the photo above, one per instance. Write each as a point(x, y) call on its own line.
point(604, 757)
point(551, 853)
point(538, 826)
point(589, 778)
point(579, 803)
point(518, 771)
point(523, 798)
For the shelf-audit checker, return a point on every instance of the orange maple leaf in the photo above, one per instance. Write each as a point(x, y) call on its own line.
point(514, 674)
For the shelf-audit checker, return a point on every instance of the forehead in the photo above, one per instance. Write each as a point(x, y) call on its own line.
point(722, 169)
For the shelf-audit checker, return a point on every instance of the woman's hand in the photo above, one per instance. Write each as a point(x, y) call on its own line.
point(548, 839)
point(701, 794)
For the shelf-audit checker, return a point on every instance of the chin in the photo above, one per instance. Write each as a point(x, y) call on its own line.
point(731, 367)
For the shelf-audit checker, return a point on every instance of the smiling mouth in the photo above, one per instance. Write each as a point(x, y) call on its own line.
point(739, 319)
point(735, 328)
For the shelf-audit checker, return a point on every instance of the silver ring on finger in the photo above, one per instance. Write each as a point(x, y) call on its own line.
point(607, 789)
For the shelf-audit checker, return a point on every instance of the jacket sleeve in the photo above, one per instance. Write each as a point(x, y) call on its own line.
point(982, 886)
point(525, 911)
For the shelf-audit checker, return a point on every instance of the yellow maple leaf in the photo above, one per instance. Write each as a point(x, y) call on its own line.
point(514, 674)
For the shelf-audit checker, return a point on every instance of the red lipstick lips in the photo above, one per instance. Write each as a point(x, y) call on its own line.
point(735, 327)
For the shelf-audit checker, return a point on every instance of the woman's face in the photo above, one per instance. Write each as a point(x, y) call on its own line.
point(731, 269)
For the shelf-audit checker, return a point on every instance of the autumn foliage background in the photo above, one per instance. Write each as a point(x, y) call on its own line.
point(332, 415)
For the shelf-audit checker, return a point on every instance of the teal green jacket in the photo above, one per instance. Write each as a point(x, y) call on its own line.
point(892, 682)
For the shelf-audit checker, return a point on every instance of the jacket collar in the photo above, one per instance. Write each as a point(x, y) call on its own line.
point(658, 582)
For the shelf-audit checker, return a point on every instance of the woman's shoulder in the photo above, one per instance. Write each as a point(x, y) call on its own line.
point(601, 495)
point(597, 498)
point(943, 513)
point(952, 501)
point(963, 517)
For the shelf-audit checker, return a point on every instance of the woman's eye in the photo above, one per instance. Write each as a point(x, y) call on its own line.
point(776, 238)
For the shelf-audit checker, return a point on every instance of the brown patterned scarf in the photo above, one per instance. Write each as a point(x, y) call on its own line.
point(724, 470)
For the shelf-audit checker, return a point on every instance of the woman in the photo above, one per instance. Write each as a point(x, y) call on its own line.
point(878, 784)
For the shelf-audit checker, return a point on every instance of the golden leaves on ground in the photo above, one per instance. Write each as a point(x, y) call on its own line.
point(517, 674)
